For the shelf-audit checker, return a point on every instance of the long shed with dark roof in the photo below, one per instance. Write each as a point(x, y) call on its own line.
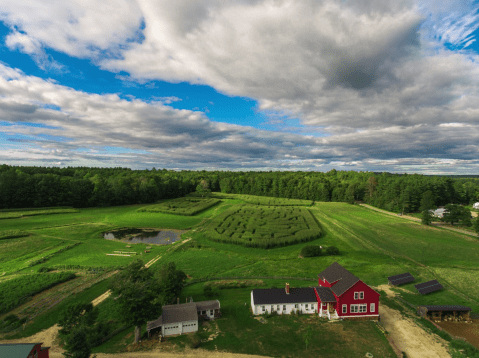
point(436, 312)
point(400, 279)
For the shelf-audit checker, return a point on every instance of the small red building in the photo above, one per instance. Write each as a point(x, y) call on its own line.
point(342, 295)
point(24, 350)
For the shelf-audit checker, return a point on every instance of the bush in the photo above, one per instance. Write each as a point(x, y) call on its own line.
point(332, 250)
point(44, 269)
point(311, 251)
point(195, 340)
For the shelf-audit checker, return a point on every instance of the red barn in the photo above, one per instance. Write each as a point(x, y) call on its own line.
point(342, 295)
point(24, 350)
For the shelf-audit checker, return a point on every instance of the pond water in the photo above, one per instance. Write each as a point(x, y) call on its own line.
point(145, 236)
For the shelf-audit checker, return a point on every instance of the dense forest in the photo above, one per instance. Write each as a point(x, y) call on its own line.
point(29, 187)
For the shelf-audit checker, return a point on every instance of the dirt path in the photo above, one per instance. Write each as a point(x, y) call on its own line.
point(407, 336)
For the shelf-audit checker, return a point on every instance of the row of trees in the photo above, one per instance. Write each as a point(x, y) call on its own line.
point(22, 187)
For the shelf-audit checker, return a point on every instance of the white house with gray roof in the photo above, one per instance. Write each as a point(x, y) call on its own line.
point(183, 318)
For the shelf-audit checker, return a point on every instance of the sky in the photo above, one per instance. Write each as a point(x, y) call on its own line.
point(365, 85)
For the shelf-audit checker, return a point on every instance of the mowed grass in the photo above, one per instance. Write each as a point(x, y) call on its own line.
point(31, 212)
point(283, 336)
point(265, 200)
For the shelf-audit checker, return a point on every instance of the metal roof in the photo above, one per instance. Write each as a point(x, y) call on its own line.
point(401, 279)
point(335, 272)
point(14, 350)
point(447, 308)
point(428, 287)
point(207, 305)
point(325, 294)
point(270, 296)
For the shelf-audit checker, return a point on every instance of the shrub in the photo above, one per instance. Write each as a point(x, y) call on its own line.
point(311, 251)
point(195, 340)
point(332, 250)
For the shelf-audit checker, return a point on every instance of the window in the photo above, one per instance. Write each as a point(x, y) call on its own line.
point(211, 312)
point(363, 307)
point(306, 306)
point(345, 308)
point(203, 312)
point(361, 295)
point(296, 305)
point(263, 308)
point(356, 295)
point(372, 308)
point(354, 308)
point(272, 308)
point(284, 307)
point(277, 307)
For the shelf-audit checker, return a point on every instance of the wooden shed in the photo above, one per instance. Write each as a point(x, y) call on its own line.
point(445, 312)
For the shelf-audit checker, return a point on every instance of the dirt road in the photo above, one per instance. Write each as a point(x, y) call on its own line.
point(407, 336)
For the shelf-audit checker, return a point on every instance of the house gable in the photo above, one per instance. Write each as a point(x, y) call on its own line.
point(358, 299)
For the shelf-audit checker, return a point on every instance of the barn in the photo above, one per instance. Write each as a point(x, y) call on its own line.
point(24, 350)
point(339, 295)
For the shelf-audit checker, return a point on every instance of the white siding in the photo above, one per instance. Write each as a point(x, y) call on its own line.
point(179, 328)
point(190, 326)
point(258, 309)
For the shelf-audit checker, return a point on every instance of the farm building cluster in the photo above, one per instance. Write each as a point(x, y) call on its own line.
point(24, 350)
point(339, 295)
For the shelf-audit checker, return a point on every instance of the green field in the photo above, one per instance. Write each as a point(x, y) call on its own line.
point(264, 200)
point(265, 227)
point(372, 246)
point(181, 206)
point(31, 212)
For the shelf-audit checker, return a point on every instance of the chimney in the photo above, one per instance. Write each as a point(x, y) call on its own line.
point(287, 288)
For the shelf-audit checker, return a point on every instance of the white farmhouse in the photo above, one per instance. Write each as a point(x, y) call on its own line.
point(283, 300)
point(476, 206)
point(438, 213)
point(183, 318)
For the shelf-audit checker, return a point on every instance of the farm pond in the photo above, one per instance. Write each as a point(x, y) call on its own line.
point(144, 236)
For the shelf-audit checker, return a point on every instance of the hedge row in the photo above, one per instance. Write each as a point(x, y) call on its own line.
point(266, 227)
point(182, 206)
point(49, 256)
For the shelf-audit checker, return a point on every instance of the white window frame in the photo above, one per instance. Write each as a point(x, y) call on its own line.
point(372, 307)
point(306, 306)
point(296, 306)
point(272, 308)
point(345, 308)
point(263, 308)
point(354, 308)
point(361, 295)
point(277, 308)
point(363, 307)
point(356, 295)
point(284, 307)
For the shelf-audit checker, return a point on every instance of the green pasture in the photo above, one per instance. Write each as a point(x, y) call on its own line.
point(31, 212)
point(181, 206)
point(265, 227)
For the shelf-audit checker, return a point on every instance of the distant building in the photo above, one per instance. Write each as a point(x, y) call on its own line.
point(476, 206)
point(183, 318)
point(24, 350)
point(438, 213)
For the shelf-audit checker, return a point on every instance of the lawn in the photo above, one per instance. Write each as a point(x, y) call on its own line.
point(181, 206)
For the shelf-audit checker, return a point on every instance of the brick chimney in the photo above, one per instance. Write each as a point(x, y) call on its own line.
point(287, 288)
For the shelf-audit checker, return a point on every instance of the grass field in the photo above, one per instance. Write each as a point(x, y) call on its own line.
point(264, 200)
point(372, 246)
point(31, 212)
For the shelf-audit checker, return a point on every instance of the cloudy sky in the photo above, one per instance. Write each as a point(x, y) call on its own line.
point(381, 85)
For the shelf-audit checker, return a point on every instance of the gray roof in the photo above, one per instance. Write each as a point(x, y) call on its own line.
point(447, 308)
point(401, 279)
point(335, 272)
point(208, 305)
point(182, 313)
point(179, 313)
point(273, 296)
point(325, 294)
point(14, 350)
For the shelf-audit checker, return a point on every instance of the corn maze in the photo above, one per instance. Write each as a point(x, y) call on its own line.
point(182, 206)
point(263, 227)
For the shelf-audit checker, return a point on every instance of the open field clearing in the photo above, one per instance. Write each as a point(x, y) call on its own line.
point(264, 227)
point(32, 212)
point(181, 206)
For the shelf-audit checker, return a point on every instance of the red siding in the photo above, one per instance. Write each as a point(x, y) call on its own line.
point(370, 296)
point(40, 353)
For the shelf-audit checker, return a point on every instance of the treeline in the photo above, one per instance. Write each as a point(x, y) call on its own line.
point(29, 187)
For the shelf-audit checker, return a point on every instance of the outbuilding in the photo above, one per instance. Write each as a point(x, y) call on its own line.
point(24, 350)
point(447, 312)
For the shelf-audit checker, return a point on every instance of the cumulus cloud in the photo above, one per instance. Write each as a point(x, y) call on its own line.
point(371, 76)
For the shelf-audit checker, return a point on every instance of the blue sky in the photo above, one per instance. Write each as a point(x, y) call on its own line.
point(256, 85)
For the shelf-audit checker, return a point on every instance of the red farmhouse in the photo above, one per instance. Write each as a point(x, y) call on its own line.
point(23, 350)
point(353, 299)
point(339, 295)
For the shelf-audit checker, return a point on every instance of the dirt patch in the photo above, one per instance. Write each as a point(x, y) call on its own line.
point(410, 338)
point(48, 339)
point(470, 331)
